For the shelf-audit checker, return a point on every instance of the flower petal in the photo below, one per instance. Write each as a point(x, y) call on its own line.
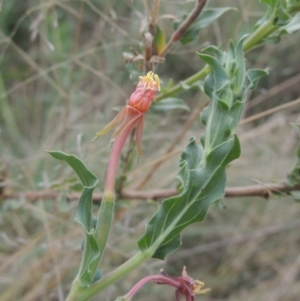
point(112, 124)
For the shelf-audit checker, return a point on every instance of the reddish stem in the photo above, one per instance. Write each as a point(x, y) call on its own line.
point(113, 161)
point(159, 279)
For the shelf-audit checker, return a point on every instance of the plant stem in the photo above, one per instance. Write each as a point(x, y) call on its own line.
point(109, 191)
point(106, 211)
point(191, 80)
point(75, 290)
point(104, 223)
point(114, 276)
point(107, 206)
point(263, 31)
point(161, 279)
point(178, 34)
point(294, 9)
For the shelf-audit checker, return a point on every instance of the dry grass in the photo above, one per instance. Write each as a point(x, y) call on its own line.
point(246, 249)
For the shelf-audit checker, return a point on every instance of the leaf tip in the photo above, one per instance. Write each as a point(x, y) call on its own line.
point(55, 154)
point(94, 138)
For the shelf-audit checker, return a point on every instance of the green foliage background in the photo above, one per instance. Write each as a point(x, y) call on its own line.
point(62, 76)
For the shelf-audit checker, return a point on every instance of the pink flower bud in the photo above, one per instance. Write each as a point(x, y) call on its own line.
point(132, 115)
point(145, 92)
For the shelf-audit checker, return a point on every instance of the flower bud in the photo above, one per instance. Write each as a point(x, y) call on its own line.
point(145, 92)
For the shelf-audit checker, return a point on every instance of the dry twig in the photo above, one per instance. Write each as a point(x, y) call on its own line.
point(178, 34)
point(264, 191)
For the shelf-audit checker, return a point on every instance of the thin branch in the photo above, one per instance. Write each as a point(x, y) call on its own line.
point(271, 111)
point(274, 91)
point(153, 17)
point(177, 35)
point(148, 42)
point(265, 191)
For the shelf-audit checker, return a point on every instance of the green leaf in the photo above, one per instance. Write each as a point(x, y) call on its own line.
point(84, 215)
point(203, 183)
point(218, 124)
point(216, 52)
point(89, 263)
point(271, 3)
point(230, 63)
point(275, 39)
point(202, 168)
point(198, 85)
point(89, 180)
point(190, 158)
point(86, 176)
point(292, 27)
point(168, 104)
point(254, 75)
point(239, 74)
point(282, 17)
point(159, 40)
point(217, 79)
point(206, 17)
